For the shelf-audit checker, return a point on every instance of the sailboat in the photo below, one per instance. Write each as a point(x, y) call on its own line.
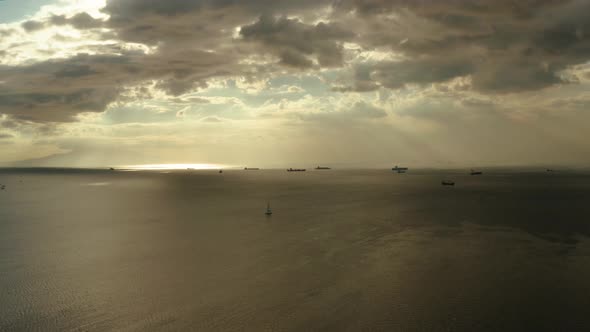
point(268, 210)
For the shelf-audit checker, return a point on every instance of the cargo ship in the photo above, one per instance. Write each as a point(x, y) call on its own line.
point(322, 167)
point(399, 169)
point(251, 168)
point(296, 170)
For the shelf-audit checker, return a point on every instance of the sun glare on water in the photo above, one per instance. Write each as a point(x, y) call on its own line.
point(175, 166)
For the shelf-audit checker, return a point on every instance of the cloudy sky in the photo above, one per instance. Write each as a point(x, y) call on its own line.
point(266, 83)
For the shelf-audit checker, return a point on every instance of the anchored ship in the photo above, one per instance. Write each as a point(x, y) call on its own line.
point(399, 169)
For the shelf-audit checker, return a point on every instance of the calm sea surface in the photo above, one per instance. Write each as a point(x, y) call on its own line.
point(343, 251)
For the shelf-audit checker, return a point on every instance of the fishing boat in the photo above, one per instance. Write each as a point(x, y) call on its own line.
point(268, 210)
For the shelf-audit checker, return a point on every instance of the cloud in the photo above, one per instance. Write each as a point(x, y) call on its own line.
point(515, 75)
point(506, 46)
point(212, 119)
point(177, 47)
point(31, 26)
point(130, 9)
point(58, 90)
point(79, 21)
point(206, 22)
point(359, 110)
point(579, 103)
point(395, 75)
point(191, 100)
point(138, 114)
point(294, 41)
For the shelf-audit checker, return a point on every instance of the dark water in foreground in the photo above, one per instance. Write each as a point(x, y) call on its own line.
point(343, 251)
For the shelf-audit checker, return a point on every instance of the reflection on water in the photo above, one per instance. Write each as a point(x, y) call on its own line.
point(343, 250)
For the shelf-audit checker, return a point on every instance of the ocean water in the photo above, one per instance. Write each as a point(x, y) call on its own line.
point(355, 250)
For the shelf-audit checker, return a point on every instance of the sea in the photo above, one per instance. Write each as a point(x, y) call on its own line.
point(344, 250)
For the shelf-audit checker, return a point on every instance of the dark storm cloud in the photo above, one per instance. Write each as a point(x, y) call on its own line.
point(194, 40)
point(199, 21)
point(516, 75)
point(126, 10)
point(294, 41)
point(55, 106)
point(57, 90)
point(518, 9)
point(504, 46)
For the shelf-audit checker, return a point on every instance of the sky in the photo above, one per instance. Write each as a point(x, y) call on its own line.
point(281, 83)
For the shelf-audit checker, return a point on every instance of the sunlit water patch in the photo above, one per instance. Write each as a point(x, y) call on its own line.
point(175, 166)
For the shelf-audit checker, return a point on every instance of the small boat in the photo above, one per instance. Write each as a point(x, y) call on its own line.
point(322, 167)
point(111, 169)
point(220, 171)
point(268, 210)
point(550, 170)
point(296, 170)
point(476, 172)
point(447, 183)
point(251, 168)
